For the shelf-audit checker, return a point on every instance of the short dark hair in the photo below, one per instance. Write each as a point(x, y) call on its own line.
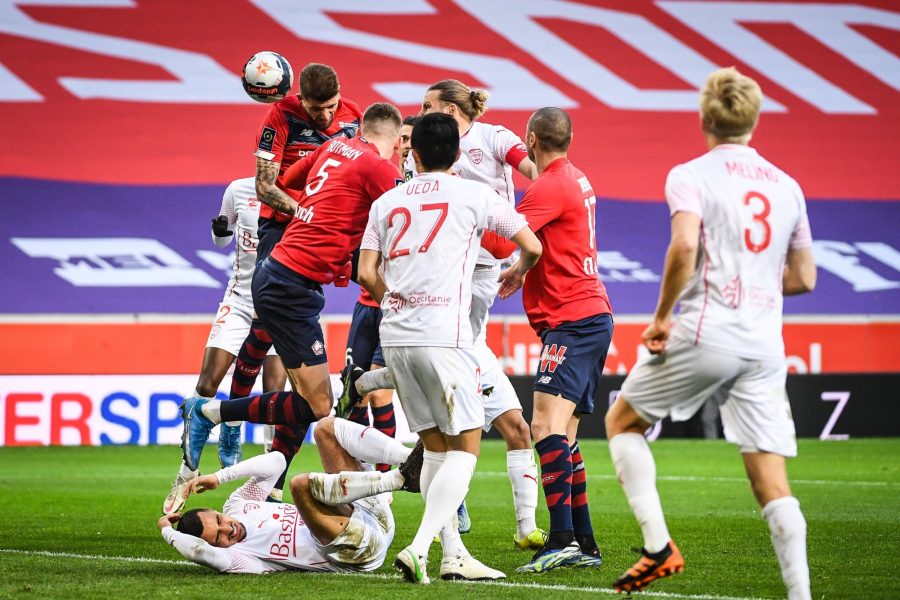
point(190, 523)
point(552, 127)
point(411, 120)
point(319, 82)
point(381, 118)
point(435, 138)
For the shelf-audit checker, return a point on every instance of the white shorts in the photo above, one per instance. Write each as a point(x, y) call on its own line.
point(438, 387)
point(484, 290)
point(231, 327)
point(502, 396)
point(750, 392)
point(364, 543)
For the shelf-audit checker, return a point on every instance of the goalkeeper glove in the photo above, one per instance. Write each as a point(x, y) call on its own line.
point(220, 226)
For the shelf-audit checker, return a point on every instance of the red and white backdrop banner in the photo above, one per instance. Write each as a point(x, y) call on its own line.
point(121, 91)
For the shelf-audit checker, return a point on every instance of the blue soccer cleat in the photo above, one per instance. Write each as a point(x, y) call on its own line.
point(196, 431)
point(229, 445)
point(551, 558)
point(462, 515)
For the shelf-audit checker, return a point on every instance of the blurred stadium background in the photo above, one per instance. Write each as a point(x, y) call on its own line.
point(125, 120)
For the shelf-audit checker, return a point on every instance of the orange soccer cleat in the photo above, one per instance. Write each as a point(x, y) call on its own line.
point(651, 567)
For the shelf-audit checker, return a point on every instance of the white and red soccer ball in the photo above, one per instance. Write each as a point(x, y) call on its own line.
point(267, 77)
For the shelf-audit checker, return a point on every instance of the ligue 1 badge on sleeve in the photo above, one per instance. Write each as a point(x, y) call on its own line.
point(267, 139)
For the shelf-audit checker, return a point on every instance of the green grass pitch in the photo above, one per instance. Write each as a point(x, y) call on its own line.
point(72, 516)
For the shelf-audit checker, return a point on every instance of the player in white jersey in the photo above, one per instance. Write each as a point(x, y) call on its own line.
point(428, 232)
point(740, 241)
point(489, 153)
point(255, 536)
point(237, 221)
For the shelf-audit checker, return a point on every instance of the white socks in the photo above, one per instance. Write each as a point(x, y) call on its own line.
point(212, 410)
point(347, 486)
point(788, 528)
point(637, 472)
point(370, 381)
point(368, 444)
point(445, 482)
point(522, 471)
point(185, 473)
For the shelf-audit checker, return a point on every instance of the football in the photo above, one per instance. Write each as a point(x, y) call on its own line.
point(267, 77)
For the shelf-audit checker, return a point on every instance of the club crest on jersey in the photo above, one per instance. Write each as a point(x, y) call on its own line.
point(318, 348)
point(551, 357)
point(266, 139)
point(396, 302)
point(476, 155)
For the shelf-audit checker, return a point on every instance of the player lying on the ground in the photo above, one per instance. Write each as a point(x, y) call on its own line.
point(287, 408)
point(255, 536)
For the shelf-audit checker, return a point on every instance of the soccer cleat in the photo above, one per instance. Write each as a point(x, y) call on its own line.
point(196, 431)
point(533, 541)
point(587, 559)
point(412, 566)
point(465, 522)
point(546, 559)
point(349, 396)
point(411, 469)
point(229, 445)
point(174, 502)
point(469, 568)
point(649, 568)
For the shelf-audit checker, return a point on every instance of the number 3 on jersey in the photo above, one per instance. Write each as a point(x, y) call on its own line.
point(757, 200)
point(403, 212)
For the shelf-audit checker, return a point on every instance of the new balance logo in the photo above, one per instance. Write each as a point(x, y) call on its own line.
point(551, 357)
point(545, 380)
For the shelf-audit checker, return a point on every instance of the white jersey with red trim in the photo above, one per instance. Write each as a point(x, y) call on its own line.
point(752, 213)
point(428, 231)
point(241, 208)
point(487, 153)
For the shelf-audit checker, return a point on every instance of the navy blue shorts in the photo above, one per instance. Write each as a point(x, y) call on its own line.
point(289, 304)
point(364, 341)
point(268, 233)
point(572, 360)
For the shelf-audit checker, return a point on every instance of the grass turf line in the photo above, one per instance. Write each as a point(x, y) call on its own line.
point(105, 501)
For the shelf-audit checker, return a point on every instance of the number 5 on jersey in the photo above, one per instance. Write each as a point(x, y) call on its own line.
point(402, 213)
point(321, 177)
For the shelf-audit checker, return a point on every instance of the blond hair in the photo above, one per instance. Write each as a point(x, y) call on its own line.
point(729, 104)
point(471, 103)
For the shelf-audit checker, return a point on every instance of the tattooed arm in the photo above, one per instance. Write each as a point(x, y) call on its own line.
point(269, 193)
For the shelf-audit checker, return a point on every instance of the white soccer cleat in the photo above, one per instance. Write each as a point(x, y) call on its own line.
point(174, 502)
point(412, 566)
point(469, 568)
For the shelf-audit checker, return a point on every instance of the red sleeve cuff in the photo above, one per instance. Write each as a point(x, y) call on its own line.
point(516, 154)
point(497, 245)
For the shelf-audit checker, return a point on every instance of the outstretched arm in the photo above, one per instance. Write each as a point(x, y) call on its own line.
point(196, 550)
point(263, 471)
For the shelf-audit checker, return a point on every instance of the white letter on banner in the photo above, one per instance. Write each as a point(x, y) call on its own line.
point(720, 22)
point(512, 87)
point(198, 78)
point(116, 262)
point(515, 21)
point(840, 258)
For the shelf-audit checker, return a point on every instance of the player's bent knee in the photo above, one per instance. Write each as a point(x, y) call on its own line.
point(324, 430)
